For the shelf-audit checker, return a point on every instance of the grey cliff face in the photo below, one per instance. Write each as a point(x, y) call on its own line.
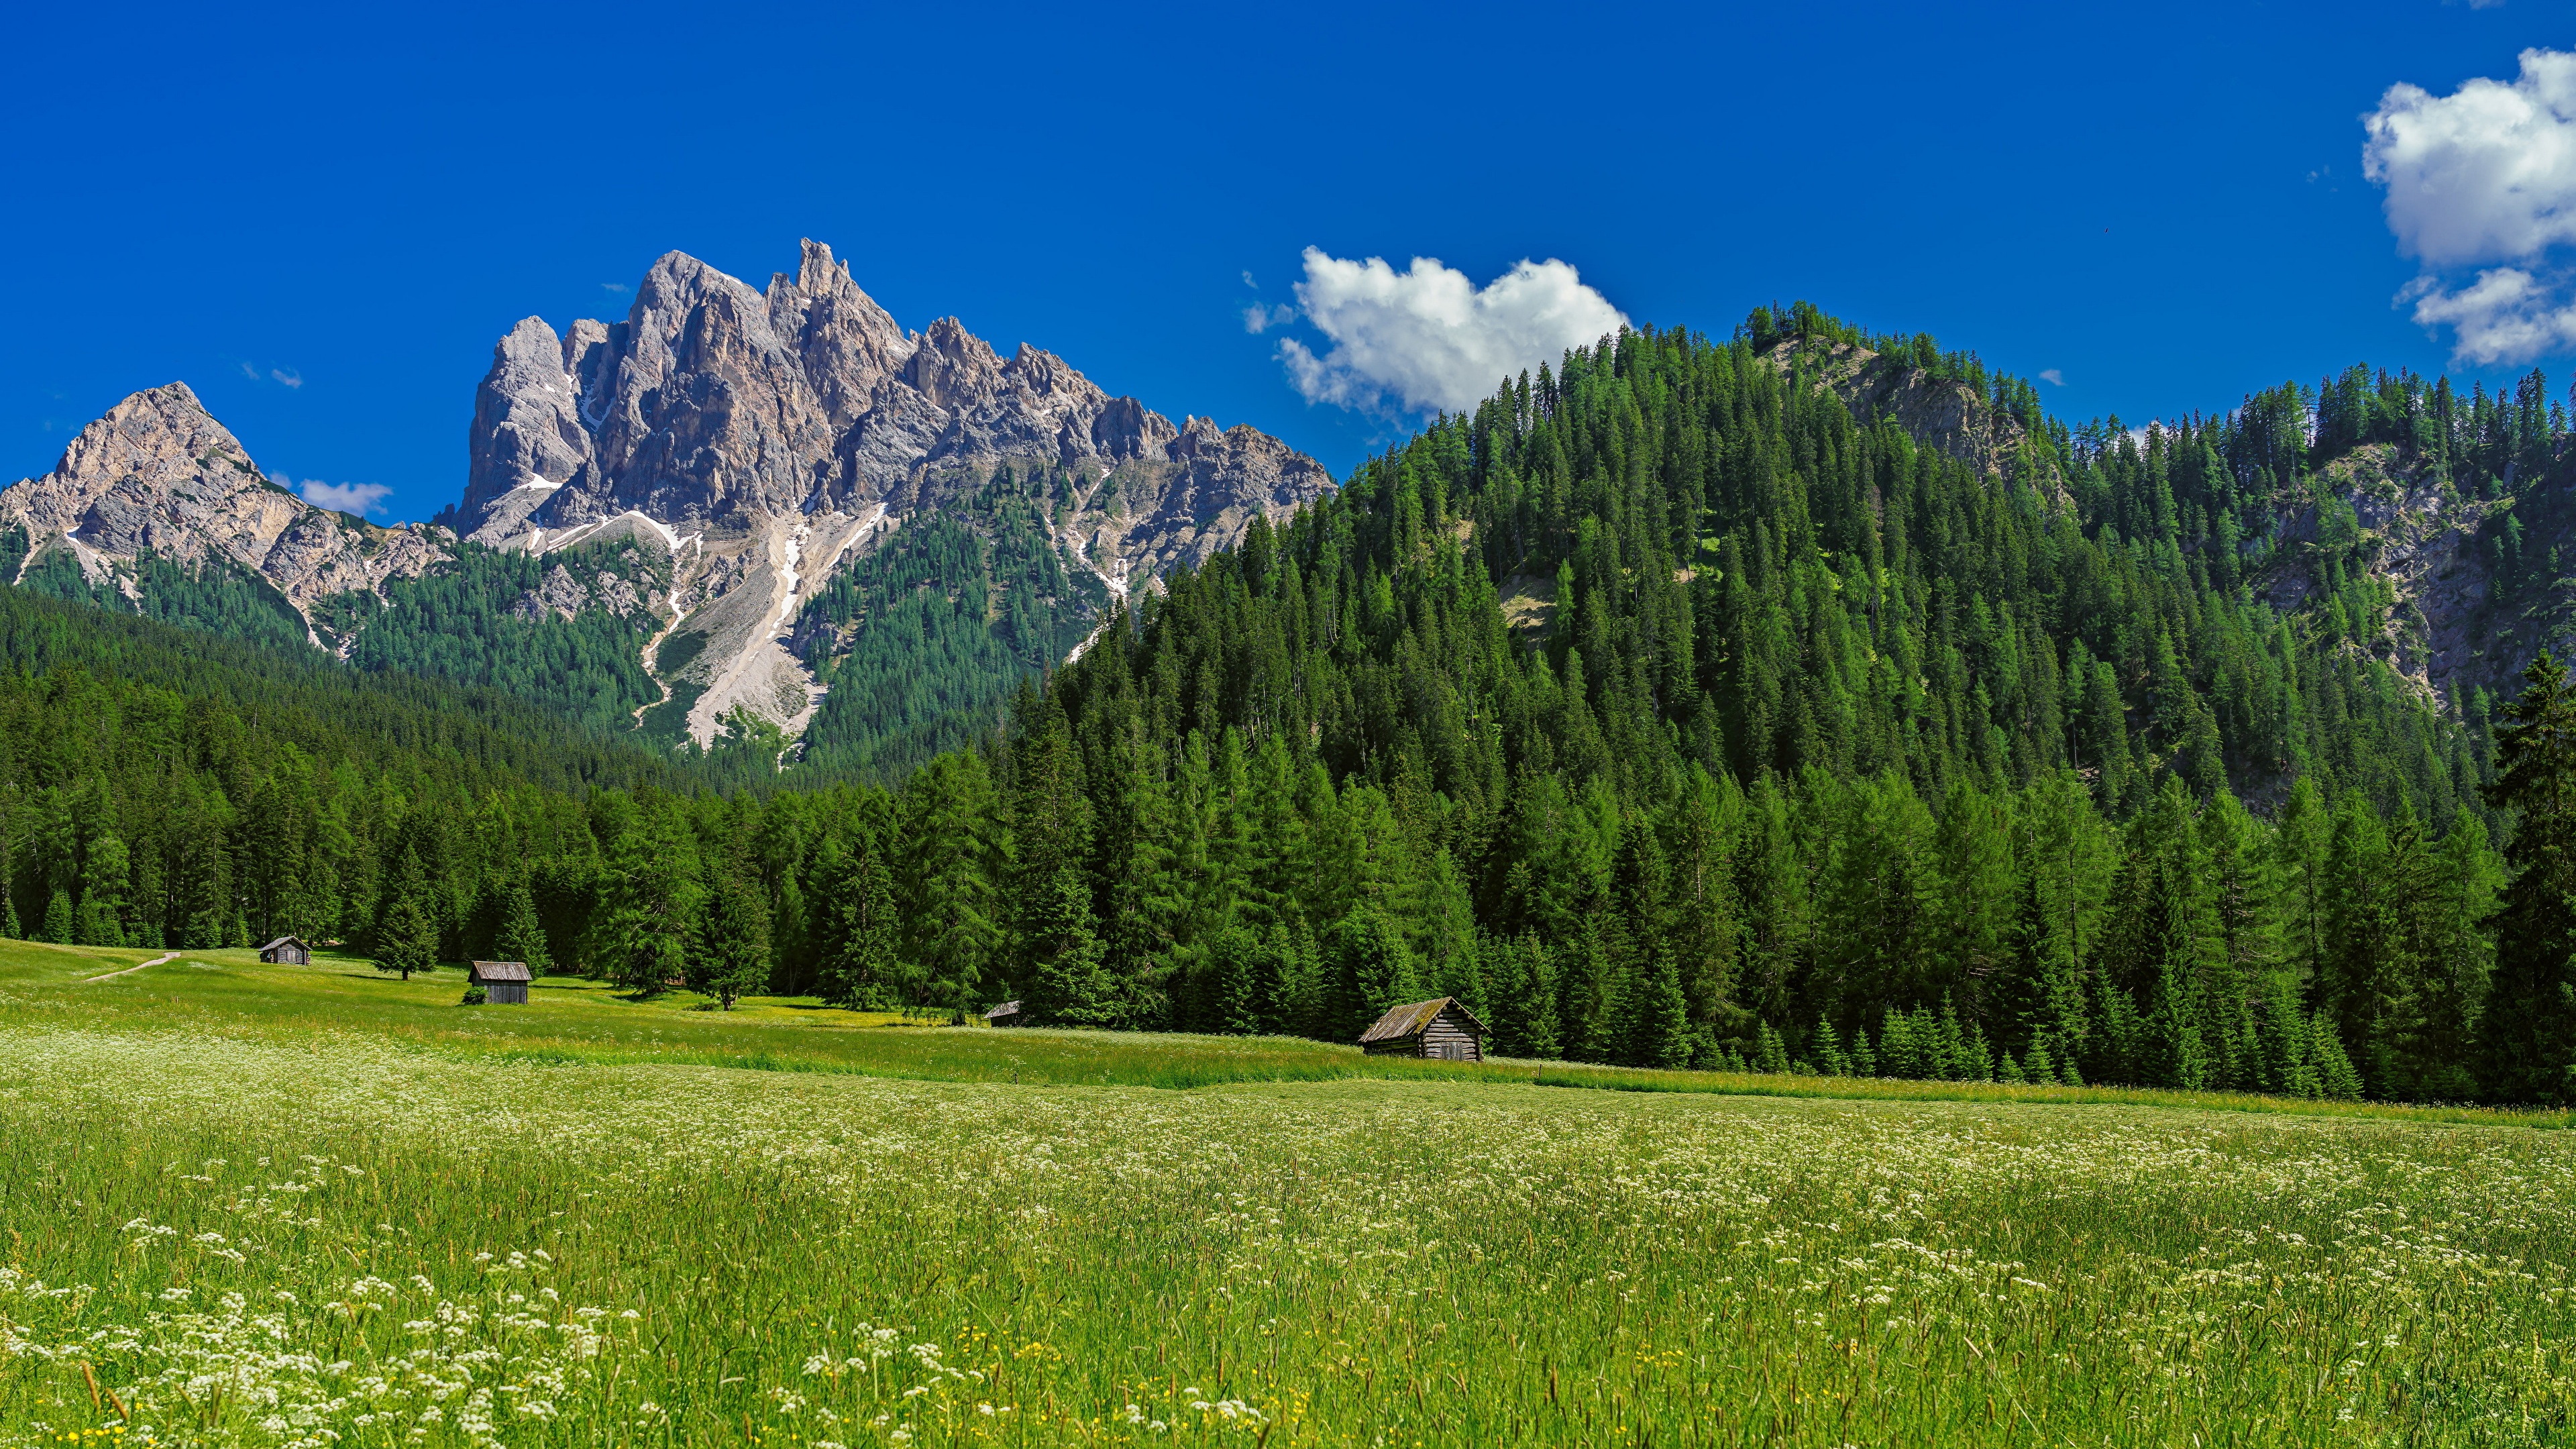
point(714, 406)
point(770, 438)
point(158, 473)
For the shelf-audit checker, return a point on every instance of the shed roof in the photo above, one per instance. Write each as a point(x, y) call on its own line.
point(501, 971)
point(1007, 1008)
point(283, 941)
point(1415, 1018)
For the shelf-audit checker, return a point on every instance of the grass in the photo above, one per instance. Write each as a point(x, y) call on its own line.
point(570, 1021)
point(272, 1206)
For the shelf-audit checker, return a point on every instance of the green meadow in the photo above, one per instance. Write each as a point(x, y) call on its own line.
point(250, 1205)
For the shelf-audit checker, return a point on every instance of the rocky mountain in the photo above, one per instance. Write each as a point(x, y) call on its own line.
point(158, 479)
point(770, 439)
point(715, 460)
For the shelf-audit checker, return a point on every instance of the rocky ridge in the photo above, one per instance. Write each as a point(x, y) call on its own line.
point(159, 475)
point(760, 439)
point(768, 438)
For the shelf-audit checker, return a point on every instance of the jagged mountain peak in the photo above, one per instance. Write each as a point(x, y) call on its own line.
point(158, 474)
point(772, 437)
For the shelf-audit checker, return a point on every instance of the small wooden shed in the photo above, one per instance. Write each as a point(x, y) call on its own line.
point(287, 951)
point(504, 983)
point(1006, 1014)
point(1440, 1029)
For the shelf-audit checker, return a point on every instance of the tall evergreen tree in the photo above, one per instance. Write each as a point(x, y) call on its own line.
point(732, 957)
point(520, 937)
point(2527, 1045)
point(407, 933)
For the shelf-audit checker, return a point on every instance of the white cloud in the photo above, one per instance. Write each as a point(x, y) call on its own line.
point(360, 498)
point(1247, 280)
point(2485, 177)
point(1427, 337)
point(1258, 320)
point(2486, 173)
point(2052, 377)
point(618, 287)
point(287, 375)
point(2506, 315)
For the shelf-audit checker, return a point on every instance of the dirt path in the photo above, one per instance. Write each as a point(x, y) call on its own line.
point(130, 970)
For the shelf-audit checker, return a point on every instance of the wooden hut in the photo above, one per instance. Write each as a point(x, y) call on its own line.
point(1006, 1014)
point(287, 951)
point(504, 983)
point(1441, 1029)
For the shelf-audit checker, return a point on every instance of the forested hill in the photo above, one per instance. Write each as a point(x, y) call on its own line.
point(160, 785)
point(1662, 706)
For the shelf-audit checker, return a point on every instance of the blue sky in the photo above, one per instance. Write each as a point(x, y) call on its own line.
point(323, 219)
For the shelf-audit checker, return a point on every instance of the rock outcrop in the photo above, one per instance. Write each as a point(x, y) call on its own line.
point(1940, 413)
point(159, 474)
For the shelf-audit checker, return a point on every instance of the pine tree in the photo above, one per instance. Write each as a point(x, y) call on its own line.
point(2527, 1041)
point(652, 904)
point(2038, 1065)
point(1526, 1016)
point(1370, 970)
point(2453, 959)
point(407, 933)
point(947, 878)
point(58, 927)
point(1061, 961)
point(1825, 1049)
point(1770, 1054)
point(1655, 1031)
point(1242, 976)
point(733, 958)
point(520, 937)
point(860, 932)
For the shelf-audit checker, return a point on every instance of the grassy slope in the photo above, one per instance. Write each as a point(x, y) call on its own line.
point(572, 1021)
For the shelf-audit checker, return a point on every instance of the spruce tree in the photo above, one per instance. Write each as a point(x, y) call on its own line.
point(520, 937)
point(732, 959)
point(407, 932)
point(860, 933)
point(1770, 1054)
point(1370, 969)
point(1656, 1029)
point(58, 927)
point(1062, 965)
point(2527, 1046)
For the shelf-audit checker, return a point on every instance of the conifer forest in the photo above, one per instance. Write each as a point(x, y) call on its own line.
point(1662, 709)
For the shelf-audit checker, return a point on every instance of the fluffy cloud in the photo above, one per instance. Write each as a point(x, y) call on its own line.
point(2482, 176)
point(1257, 320)
point(359, 498)
point(2052, 377)
point(1427, 337)
point(2506, 315)
point(2486, 173)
